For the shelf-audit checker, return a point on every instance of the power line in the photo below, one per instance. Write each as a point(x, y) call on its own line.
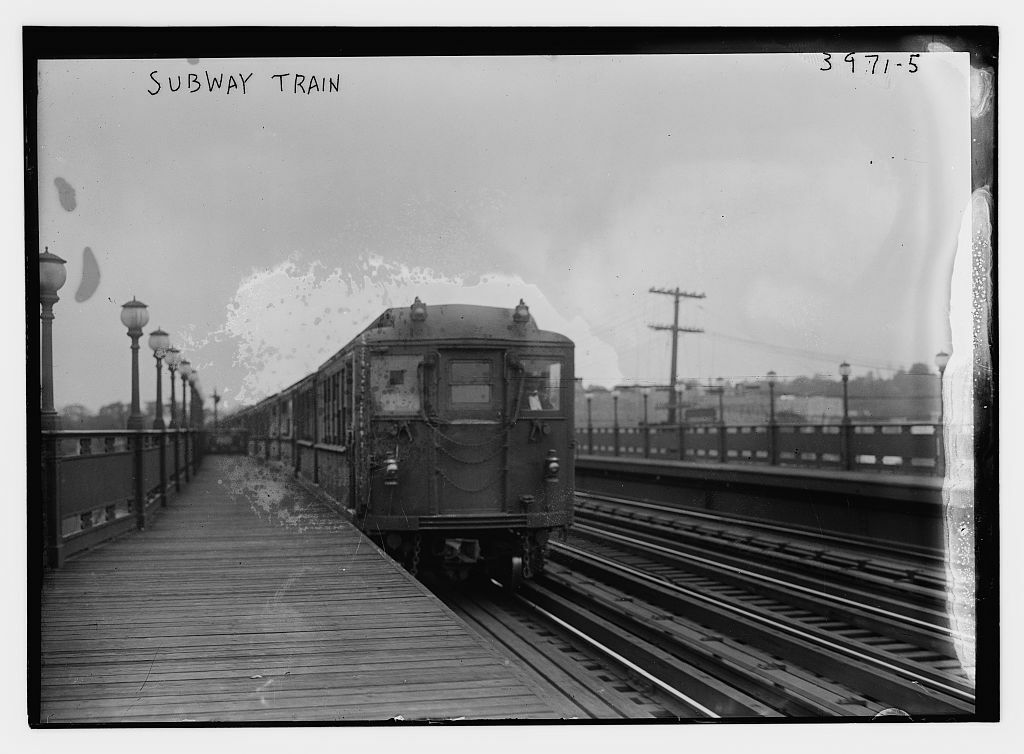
point(818, 356)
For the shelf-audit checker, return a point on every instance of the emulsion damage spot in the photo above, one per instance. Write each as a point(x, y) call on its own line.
point(66, 192)
point(90, 276)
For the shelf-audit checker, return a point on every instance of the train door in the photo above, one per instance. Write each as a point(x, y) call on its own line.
point(470, 443)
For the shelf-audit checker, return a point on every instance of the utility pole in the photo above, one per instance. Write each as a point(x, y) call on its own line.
point(676, 329)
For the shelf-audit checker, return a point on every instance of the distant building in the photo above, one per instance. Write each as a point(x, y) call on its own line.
point(814, 409)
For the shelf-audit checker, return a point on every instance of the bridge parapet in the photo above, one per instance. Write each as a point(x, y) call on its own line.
point(907, 448)
point(100, 484)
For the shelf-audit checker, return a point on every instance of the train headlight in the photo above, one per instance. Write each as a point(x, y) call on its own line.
point(390, 471)
point(522, 313)
point(418, 310)
point(551, 466)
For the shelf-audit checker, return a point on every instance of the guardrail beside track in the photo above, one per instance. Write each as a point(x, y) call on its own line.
point(903, 448)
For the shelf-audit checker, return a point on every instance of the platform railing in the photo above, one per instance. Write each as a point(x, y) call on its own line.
point(99, 484)
point(227, 442)
point(319, 463)
point(909, 448)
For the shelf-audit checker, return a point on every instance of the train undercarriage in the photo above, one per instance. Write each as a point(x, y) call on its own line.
point(509, 556)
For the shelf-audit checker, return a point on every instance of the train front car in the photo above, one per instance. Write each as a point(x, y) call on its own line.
point(466, 431)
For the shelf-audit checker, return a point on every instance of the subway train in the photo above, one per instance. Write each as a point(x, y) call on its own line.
point(444, 432)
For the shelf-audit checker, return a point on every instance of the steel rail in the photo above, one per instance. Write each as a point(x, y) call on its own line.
point(609, 652)
point(772, 622)
point(754, 576)
point(764, 526)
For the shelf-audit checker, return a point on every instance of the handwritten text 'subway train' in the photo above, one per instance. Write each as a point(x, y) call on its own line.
point(445, 432)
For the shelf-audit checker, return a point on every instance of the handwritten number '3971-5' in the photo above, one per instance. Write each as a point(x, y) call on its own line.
point(849, 58)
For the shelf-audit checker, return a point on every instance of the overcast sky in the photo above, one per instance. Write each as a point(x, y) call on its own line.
point(819, 211)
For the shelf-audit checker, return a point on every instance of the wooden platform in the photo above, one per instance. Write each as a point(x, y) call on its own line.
point(248, 600)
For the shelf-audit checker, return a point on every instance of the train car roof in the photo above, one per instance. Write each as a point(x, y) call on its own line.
point(461, 322)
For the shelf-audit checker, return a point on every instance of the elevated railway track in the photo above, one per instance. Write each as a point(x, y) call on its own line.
point(711, 616)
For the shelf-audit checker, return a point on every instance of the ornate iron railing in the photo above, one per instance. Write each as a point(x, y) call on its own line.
point(913, 448)
point(98, 484)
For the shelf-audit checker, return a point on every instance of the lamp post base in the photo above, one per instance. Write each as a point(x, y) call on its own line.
point(136, 422)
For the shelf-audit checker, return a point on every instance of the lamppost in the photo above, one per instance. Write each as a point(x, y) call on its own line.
point(216, 400)
point(615, 424)
point(159, 342)
point(200, 407)
point(680, 423)
point(195, 420)
point(844, 372)
point(720, 389)
point(185, 368)
point(646, 393)
point(199, 413)
point(193, 380)
point(134, 316)
point(590, 423)
point(772, 456)
point(52, 275)
point(941, 360)
point(173, 358)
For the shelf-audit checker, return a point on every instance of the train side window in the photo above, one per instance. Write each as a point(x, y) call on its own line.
point(343, 404)
point(470, 382)
point(306, 412)
point(326, 412)
point(322, 409)
point(542, 384)
point(348, 426)
point(335, 411)
point(394, 387)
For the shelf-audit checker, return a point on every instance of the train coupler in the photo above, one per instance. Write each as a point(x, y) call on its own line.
point(462, 550)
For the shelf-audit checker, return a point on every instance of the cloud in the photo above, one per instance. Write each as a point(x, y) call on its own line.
point(288, 319)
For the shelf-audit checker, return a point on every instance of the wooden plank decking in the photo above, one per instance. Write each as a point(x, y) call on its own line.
point(248, 600)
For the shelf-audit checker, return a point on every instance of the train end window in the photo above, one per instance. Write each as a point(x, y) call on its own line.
point(397, 377)
point(470, 382)
point(471, 394)
point(542, 384)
